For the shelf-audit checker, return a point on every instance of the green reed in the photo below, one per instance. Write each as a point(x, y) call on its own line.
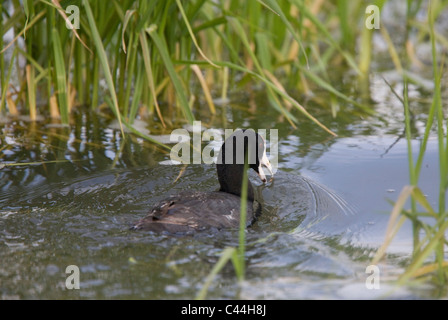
point(235, 255)
point(132, 54)
point(430, 243)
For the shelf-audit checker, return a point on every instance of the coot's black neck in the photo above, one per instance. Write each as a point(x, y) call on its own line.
point(230, 169)
point(230, 178)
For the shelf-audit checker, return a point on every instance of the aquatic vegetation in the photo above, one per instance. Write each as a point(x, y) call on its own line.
point(433, 243)
point(169, 60)
point(134, 55)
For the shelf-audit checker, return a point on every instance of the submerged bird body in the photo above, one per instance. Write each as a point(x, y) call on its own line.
point(196, 211)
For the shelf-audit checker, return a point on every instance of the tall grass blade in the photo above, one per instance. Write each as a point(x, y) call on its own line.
point(240, 265)
point(225, 84)
point(31, 89)
point(136, 97)
point(131, 62)
point(366, 45)
point(226, 255)
point(346, 25)
point(273, 6)
point(5, 84)
point(32, 22)
point(327, 35)
point(394, 223)
point(436, 240)
point(443, 150)
point(163, 51)
point(278, 90)
point(146, 137)
point(2, 56)
point(26, 6)
point(205, 89)
point(298, 106)
point(102, 56)
point(149, 74)
point(67, 20)
point(328, 87)
point(190, 31)
point(430, 268)
point(127, 18)
point(61, 78)
point(237, 256)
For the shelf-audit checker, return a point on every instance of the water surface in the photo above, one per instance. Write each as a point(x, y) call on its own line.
point(324, 214)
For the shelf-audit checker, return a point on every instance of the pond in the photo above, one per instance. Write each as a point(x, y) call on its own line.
point(324, 214)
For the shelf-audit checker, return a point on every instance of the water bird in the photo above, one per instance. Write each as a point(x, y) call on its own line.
point(195, 211)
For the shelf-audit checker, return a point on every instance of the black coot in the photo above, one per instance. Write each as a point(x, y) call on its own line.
point(220, 209)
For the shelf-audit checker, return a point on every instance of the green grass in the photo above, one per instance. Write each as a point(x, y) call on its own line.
point(428, 257)
point(136, 46)
point(132, 55)
point(235, 255)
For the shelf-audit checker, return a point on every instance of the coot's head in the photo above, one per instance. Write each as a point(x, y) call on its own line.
point(261, 160)
point(242, 145)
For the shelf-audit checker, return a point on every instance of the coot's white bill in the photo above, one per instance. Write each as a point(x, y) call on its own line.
point(264, 161)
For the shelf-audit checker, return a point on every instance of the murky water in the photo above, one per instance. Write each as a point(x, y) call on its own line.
point(324, 214)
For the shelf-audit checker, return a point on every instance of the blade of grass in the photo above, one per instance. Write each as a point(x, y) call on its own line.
point(61, 78)
point(163, 51)
point(193, 38)
point(67, 20)
point(210, 24)
point(12, 108)
point(279, 89)
point(37, 163)
point(240, 266)
point(271, 85)
point(32, 61)
point(226, 255)
point(443, 167)
point(432, 245)
point(275, 102)
point(2, 56)
point(131, 62)
point(5, 85)
point(101, 54)
point(31, 89)
point(274, 7)
point(346, 24)
point(32, 22)
point(412, 171)
point(146, 137)
point(138, 88)
point(431, 231)
point(429, 269)
point(149, 74)
point(127, 18)
point(26, 7)
point(392, 51)
point(418, 195)
point(205, 89)
point(262, 42)
point(328, 87)
point(271, 95)
point(393, 225)
point(95, 82)
point(225, 84)
point(327, 35)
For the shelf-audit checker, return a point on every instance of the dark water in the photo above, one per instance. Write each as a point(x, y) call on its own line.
point(325, 213)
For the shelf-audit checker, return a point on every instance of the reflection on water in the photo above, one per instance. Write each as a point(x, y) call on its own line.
point(324, 213)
